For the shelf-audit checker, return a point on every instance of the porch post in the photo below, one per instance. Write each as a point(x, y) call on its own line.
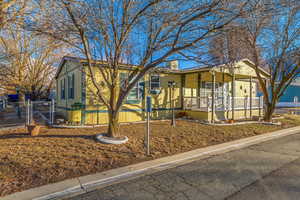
point(232, 94)
point(182, 90)
point(198, 90)
point(213, 97)
point(251, 97)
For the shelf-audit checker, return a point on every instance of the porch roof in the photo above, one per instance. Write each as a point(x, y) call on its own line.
point(228, 68)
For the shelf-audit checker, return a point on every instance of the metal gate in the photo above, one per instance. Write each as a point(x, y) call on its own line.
point(40, 112)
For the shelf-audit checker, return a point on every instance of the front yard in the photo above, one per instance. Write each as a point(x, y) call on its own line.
point(59, 154)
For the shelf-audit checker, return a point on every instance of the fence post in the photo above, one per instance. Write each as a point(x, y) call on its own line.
point(26, 112)
point(29, 109)
point(31, 112)
point(52, 111)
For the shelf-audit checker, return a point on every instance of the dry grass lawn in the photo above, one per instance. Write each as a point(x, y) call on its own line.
point(59, 154)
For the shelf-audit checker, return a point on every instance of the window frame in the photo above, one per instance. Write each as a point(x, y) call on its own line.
point(71, 86)
point(206, 87)
point(158, 83)
point(137, 88)
point(63, 89)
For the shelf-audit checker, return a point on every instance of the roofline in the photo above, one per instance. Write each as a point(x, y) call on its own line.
point(63, 60)
point(85, 62)
point(260, 68)
point(158, 69)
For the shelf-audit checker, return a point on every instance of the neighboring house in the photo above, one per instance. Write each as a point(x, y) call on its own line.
point(202, 93)
point(292, 93)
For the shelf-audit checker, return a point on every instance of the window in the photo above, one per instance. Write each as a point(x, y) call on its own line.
point(62, 88)
point(136, 93)
point(154, 82)
point(71, 84)
point(206, 89)
point(133, 93)
point(123, 77)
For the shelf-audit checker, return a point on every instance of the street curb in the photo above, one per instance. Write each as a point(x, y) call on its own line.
point(80, 185)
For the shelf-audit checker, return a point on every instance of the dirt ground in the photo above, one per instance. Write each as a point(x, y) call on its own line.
point(58, 154)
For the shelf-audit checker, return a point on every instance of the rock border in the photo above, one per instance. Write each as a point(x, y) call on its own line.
point(272, 123)
point(106, 140)
point(234, 123)
point(102, 125)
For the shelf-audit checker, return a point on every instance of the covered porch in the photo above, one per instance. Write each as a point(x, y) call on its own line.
point(224, 108)
point(222, 93)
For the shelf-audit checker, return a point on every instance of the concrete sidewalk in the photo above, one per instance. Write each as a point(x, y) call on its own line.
point(254, 165)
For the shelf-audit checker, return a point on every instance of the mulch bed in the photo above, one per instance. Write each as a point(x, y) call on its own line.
point(59, 154)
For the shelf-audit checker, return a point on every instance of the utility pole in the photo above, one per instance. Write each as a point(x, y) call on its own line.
point(171, 85)
point(149, 110)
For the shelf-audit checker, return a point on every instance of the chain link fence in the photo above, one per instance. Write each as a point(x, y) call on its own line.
point(40, 112)
point(26, 112)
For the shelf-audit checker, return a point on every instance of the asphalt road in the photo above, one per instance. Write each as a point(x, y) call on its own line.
point(267, 171)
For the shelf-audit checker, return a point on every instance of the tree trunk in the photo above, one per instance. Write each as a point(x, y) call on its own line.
point(113, 124)
point(269, 112)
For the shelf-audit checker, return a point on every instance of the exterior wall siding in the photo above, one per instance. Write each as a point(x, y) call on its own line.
point(93, 112)
point(63, 105)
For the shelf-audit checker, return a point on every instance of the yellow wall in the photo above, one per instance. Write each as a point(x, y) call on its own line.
point(96, 113)
point(68, 69)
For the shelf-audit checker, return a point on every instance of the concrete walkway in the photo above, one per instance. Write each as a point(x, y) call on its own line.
point(269, 170)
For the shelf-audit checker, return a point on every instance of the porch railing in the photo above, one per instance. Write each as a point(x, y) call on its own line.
point(222, 103)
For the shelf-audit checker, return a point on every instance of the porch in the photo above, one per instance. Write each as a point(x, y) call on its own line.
point(223, 92)
point(223, 108)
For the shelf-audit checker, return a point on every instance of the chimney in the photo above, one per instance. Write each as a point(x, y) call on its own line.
point(173, 64)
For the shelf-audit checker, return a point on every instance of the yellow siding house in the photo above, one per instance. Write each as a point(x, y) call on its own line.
point(203, 93)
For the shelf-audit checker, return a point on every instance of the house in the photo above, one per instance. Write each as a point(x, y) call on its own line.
point(203, 93)
point(291, 96)
point(292, 93)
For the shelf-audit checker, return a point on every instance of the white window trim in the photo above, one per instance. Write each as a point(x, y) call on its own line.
point(63, 89)
point(150, 82)
point(137, 97)
point(71, 87)
point(136, 87)
point(204, 91)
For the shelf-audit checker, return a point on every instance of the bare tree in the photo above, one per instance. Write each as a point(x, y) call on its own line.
point(11, 10)
point(28, 62)
point(274, 43)
point(141, 33)
point(228, 47)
